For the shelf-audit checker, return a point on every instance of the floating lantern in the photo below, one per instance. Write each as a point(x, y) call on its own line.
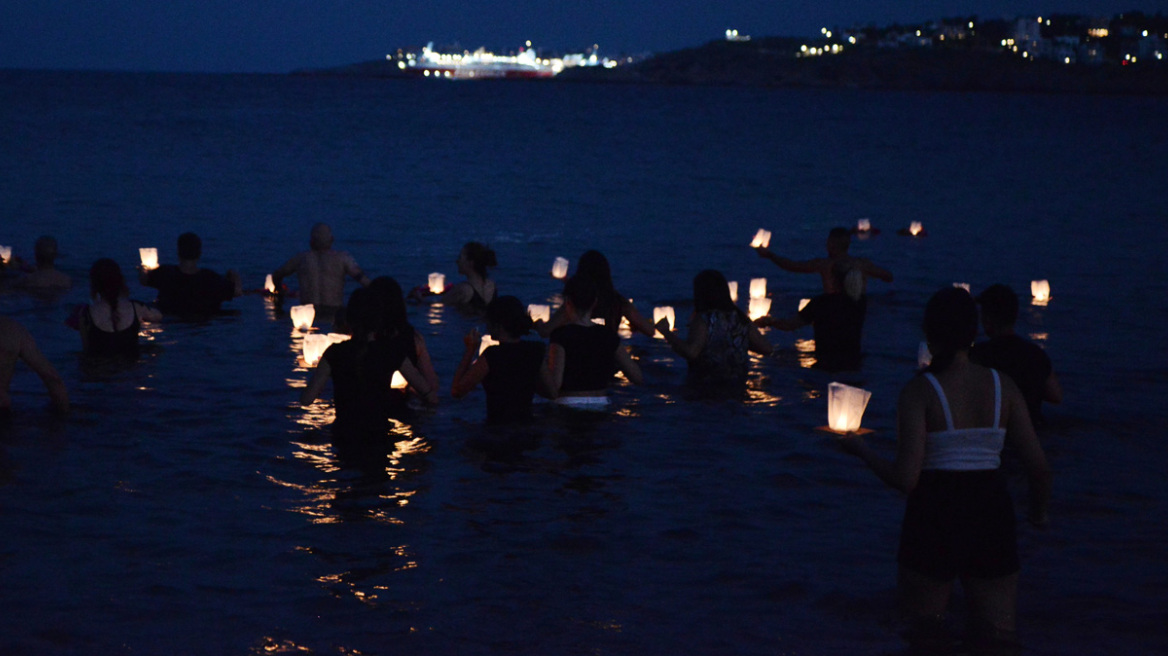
point(313, 347)
point(924, 355)
point(269, 285)
point(398, 382)
point(5, 253)
point(437, 283)
point(733, 285)
point(758, 288)
point(762, 239)
point(759, 307)
point(337, 338)
point(1040, 290)
point(863, 225)
point(803, 303)
point(540, 312)
point(302, 316)
point(963, 285)
point(845, 407)
point(560, 268)
point(599, 321)
point(149, 257)
point(486, 342)
point(664, 312)
point(915, 228)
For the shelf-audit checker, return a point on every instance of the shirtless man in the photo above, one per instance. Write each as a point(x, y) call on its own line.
point(321, 272)
point(838, 241)
point(16, 343)
point(46, 275)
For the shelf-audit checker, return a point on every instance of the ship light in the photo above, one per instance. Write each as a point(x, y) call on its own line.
point(915, 228)
point(762, 239)
point(1040, 290)
point(149, 257)
point(437, 283)
point(757, 288)
point(313, 347)
point(758, 308)
point(302, 316)
point(398, 382)
point(269, 286)
point(5, 253)
point(803, 303)
point(924, 355)
point(664, 312)
point(733, 285)
point(540, 312)
point(560, 268)
point(845, 407)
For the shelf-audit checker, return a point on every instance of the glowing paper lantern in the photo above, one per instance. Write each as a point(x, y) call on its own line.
point(437, 283)
point(313, 347)
point(599, 321)
point(5, 253)
point(762, 239)
point(302, 316)
point(758, 288)
point(845, 407)
point(863, 225)
point(963, 285)
point(398, 382)
point(269, 285)
point(540, 312)
point(149, 257)
point(560, 268)
point(803, 303)
point(759, 307)
point(664, 312)
point(924, 355)
point(915, 228)
point(337, 338)
point(733, 284)
point(1040, 290)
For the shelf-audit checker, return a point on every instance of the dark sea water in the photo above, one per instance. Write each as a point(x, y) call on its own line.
point(189, 506)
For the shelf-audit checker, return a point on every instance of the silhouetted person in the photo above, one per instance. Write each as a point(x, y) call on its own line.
point(837, 319)
point(838, 241)
point(17, 344)
point(45, 276)
point(611, 305)
point(1014, 356)
point(109, 324)
point(321, 272)
point(473, 294)
point(186, 290)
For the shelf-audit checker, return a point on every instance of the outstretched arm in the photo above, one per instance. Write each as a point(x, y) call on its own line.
point(320, 376)
point(690, 347)
point(903, 472)
point(471, 370)
point(637, 321)
point(794, 266)
point(873, 271)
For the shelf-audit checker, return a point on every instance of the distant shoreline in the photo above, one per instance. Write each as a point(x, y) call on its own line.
point(771, 63)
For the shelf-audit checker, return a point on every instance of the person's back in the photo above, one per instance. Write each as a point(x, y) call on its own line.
point(361, 374)
point(185, 290)
point(725, 354)
point(45, 276)
point(1025, 362)
point(588, 356)
point(321, 271)
point(512, 378)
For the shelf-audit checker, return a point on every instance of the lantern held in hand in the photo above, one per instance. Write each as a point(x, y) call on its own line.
point(560, 268)
point(437, 283)
point(540, 312)
point(1040, 290)
point(664, 312)
point(302, 316)
point(269, 285)
point(762, 239)
point(733, 285)
point(845, 407)
point(149, 257)
point(314, 346)
point(759, 307)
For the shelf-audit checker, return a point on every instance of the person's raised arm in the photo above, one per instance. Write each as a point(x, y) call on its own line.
point(471, 370)
point(690, 347)
point(873, 271)
point(758, 343)
point(418, 382)
point(1020, 434)
point(786, 324)
point(316, 384)
point(545, 328)
point(286, 269)
point(787, 264)
point(637, 321)
point(903, 472)
point(628, 366)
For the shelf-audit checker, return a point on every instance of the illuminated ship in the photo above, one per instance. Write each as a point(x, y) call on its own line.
point(485, 65)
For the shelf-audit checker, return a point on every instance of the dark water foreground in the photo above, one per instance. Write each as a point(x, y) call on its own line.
point(187, 506)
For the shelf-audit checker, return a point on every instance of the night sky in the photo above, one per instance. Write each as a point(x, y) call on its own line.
point(281, 35)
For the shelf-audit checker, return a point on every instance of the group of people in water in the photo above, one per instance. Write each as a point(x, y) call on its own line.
point(953, 420)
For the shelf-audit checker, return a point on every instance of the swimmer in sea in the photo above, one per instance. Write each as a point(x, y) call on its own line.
point(838, 242)
point(611, 305)
point(512, 371)
point(473, 294)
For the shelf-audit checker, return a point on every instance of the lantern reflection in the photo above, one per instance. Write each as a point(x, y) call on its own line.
point(560, 268)
point(762, 239)
point(845, 407)
point(302, 316)
point(437, 283)
point(806, 350)
point(149, 257)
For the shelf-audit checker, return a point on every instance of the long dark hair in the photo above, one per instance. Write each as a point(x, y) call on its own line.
point(508, 313)
point(107, 282)
point(950, 326)
point(593, 266)
point(480, 257)
point(712, 294)
point(393, 303)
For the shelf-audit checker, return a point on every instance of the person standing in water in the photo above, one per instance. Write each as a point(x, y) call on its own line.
point(838, 242)
point(477, 291)
point(321, 272)
point(952, 423)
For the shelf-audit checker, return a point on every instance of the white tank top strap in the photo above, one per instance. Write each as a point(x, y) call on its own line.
point(944, 401)
point(997, 398)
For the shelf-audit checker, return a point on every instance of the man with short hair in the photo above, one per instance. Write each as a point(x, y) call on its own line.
point(46, 275)
point(838, 241)
point(321, 272)
point(1012, 355)
point(186, 290)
